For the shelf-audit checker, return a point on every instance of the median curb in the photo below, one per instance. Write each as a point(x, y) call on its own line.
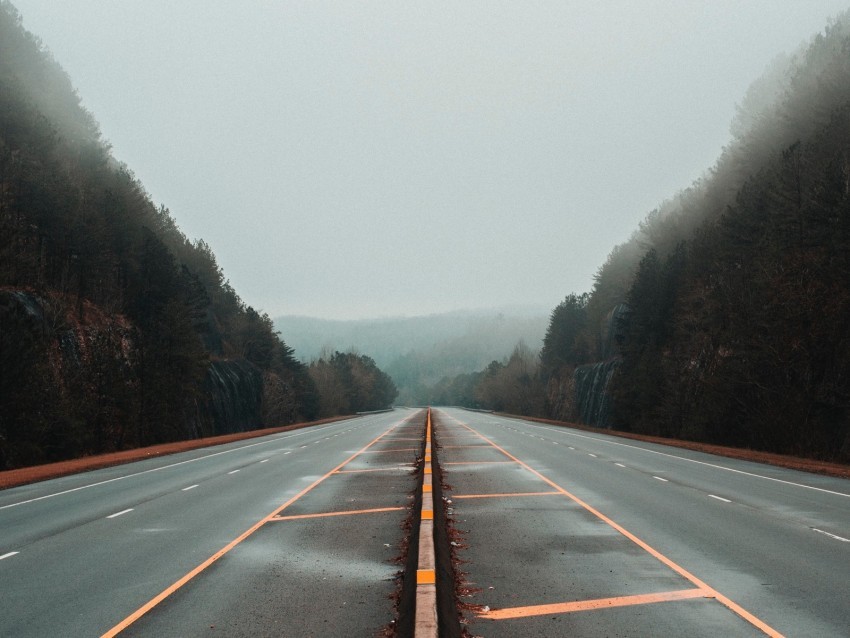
point(425, 625)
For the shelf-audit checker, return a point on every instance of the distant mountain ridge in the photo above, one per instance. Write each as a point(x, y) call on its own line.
point(419, 351)
point(385, 339)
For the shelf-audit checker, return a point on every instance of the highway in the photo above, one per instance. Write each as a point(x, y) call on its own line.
point(295, 534)
point(563, 533)
point(569, 533)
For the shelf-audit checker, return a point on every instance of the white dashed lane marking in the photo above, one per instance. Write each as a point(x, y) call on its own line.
point(689, 460)
point(117, 514)
point(157, 469)
point(833, 536)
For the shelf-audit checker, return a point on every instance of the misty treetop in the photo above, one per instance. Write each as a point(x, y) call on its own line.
point(115, 329)
point(726, 316)
point(740, 306)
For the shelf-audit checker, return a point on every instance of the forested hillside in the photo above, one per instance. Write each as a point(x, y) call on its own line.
point(116, 330)
point(737, 290)
point(726, 317)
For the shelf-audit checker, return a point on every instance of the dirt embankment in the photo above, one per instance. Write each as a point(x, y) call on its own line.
point(22, 476)
point(792, 462)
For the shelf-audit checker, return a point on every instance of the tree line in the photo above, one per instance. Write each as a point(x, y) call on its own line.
point(725, 316)
point(116, 330)
point(348, 382)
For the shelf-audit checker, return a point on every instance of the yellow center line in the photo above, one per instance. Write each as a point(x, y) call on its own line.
point(345, 513)
point(730, 604)
point(156, 600)
point(599, 603)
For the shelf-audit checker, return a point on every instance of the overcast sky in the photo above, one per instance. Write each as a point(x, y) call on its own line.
point(364, 159)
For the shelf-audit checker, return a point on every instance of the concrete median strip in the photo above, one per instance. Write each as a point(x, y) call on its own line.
point(425, 624)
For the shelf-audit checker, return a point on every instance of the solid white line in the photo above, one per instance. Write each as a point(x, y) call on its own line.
point(619, 464)
point(117, 514)
point(191, 487)
point(661, 479)
point(820, 531)
point(233, 472)
point(684, 458)
point(720, 498)
point(164, 467)
point(8, 555)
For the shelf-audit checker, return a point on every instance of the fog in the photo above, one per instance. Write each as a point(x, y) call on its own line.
point(363, 159)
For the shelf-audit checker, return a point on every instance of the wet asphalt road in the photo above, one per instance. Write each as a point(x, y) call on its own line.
point(83, 553)
point(622, 538)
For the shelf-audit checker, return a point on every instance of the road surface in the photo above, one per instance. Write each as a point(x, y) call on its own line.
point(565, 533)
point(569, 533)
point(79, 556)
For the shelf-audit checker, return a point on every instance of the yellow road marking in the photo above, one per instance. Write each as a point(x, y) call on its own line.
point(165, 593)
point(377, 469)
point(729, 603)
point(599, 603)
point(325, 514)
point(454, 496)
point(425, 577)
point(476, 462)
point(401, 449)
point(460, 446)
